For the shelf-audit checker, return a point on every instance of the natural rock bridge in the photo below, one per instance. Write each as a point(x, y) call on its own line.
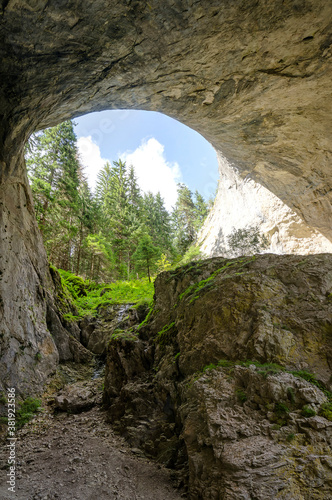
point(253, 77)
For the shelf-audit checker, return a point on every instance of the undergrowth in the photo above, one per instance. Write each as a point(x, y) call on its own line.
point(87, 295)
point(25, 411)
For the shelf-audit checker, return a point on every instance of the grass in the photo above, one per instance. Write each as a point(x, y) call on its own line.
point(25, 411)
point(166, 334)
point(326, 410)
point(123, 335)
point(86, 295)
point(307, 411)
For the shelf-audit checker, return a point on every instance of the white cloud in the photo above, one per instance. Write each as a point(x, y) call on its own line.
point(153, 171)
point(91, 158)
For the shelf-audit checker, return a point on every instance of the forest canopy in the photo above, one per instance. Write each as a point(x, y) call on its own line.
point(114, 233)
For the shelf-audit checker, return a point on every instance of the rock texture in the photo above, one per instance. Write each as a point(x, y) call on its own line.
point(217, 379)
point(252, 77)
point(242, 203)
point(79, 397)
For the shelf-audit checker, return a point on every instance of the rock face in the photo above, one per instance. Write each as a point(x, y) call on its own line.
point(79, 397)
point(112, 318)
point(218, 378)
point(242, 203)
point(252, 77)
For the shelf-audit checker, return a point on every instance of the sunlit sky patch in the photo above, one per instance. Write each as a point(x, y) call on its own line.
point(162, 150)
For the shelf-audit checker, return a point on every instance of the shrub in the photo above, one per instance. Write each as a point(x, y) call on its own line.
point(307, 411)
point(246, 241)
point(241, 395)
point(26, 411)
point(326, 410)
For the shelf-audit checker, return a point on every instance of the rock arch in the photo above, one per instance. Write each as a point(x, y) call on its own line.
point(253, 77)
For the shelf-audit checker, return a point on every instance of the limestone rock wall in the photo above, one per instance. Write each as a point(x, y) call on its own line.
point(254, 78)
point(198, 386)
point(242, 202)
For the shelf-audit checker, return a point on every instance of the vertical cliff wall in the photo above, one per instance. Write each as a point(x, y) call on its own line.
point(242, 203)
point(253, 77)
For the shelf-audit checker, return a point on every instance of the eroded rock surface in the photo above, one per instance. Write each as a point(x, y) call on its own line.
point(218, 378)
point(253, 78)
point(242, 203)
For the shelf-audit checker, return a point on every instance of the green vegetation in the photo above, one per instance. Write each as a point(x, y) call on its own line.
point(307, 411)
point(290, 394)
point(139, 292)
point(123, 335)
point(241, 395)
point(117, 233)
point(281, 409)
point(247, 241)
point(38, 356)
point(166, 334)
point(26, 411)
point(195, 289)
point(326, 409)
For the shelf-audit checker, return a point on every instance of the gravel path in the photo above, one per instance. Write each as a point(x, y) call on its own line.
point(78, 457)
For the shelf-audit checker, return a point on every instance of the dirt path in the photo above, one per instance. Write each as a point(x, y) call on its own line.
point(78, 457)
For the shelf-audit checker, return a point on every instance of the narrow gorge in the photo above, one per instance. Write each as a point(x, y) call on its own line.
point(227, 380)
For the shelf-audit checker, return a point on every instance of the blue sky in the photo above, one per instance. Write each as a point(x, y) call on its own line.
point(162, 150)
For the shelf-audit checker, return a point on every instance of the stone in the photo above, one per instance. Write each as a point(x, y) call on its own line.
point(253, 78)
point(242, 203)
point(210, 400)
point(79, 397)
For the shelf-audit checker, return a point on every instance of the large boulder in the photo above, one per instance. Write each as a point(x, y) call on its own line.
point(229, 380)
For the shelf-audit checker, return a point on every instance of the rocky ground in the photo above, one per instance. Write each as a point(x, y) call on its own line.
point(226, 382)
point(78, 456)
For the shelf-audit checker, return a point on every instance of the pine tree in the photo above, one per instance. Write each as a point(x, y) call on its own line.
point(146, 255)
point(184, 219)
point(53, 167)
point(201, 210)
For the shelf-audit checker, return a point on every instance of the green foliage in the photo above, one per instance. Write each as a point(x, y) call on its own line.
point(290, 437)
point(165, 335)
point(241, 395)
point(76, 285)
point(326, 409)
point(119, 334)
point(26, 411)
point(120, 292)
point(225, 363)
point(100, 236)
point(163, 264)
point(193, 253)
point(146, 256)
point(209, 367)
point(148, 316)
point(85, 295)
point(281, 409)
point(188, 217)
point(307, 411)
point(247, 241)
